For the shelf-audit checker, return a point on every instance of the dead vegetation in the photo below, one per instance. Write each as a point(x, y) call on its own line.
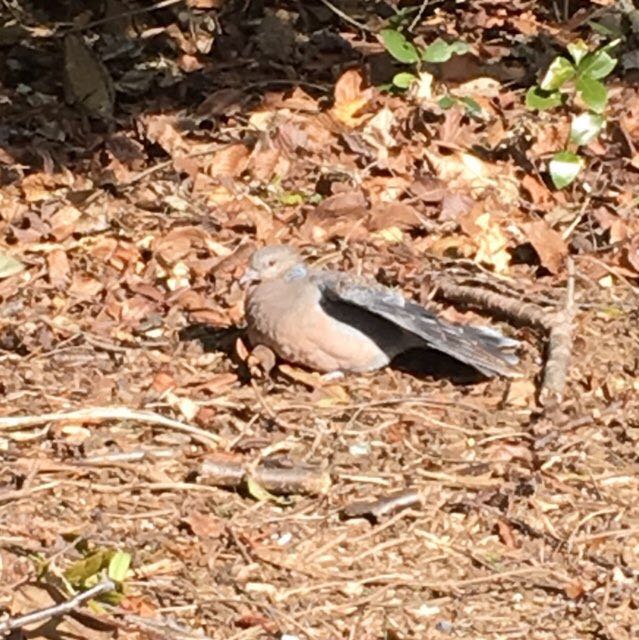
point(256, 500)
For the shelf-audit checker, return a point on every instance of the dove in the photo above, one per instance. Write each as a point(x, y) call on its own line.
point(334, 322)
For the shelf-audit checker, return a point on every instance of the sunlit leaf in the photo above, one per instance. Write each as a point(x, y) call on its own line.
point(119, 566)
point(578, 49)
point(605, 30)
point(564, 168)
point(560, 71)
point(585, 127)
point(593, 93)
point(80, 572)
point(9, 265)
point(400, 48)
point(596, 65)
point(537, 98)
point(472, 106)
point(459, 47)
point(403, 80)
point(437, 51)
point(446, 102)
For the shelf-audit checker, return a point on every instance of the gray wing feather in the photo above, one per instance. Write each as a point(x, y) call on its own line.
point(483, 348)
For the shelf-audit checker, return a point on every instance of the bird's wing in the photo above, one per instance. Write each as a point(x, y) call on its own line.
point(485, 349)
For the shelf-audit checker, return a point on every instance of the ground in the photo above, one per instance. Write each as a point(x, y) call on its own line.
point(193, 133)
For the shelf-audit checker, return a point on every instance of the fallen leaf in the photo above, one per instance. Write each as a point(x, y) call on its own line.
point(549, 245)
point(9, 266)
point(350, 99)
point(86, 80)
point(59, 268)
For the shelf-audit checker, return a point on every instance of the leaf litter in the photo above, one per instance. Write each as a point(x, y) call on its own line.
point(128, 213)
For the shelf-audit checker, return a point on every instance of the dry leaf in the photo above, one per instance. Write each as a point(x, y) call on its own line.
point(59, 268)
point(9, 266)
point(86, 80)
point(549, 245)
point(230, 161)
point(467, 172)
point(492, 244)
point(350, 99)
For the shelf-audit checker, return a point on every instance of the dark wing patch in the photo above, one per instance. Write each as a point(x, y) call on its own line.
point(482, 348)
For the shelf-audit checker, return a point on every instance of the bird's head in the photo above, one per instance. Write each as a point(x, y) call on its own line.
point(272, 262)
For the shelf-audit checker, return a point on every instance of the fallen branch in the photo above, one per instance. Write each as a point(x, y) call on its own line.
point(525, 313)
point(224, 471)
point(557, 325)
point(559, 347)
point(56, 610)
point(100, 414)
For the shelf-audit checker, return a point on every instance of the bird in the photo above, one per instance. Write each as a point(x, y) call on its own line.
point(335, 322)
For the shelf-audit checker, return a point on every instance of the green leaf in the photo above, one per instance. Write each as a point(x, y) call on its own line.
point(437, 51)
point(596, 65)
point(593, 93)
point(459, 47)
point(564, 168)
point(291, 199)
point(585, 127)
point(537, 98)
point(9, 266)
point(578, 49)
point(119, 566)
point(400, 48)
point(82, 570)
point(560, 71)
point(446, 102)
point(403, 80)
point(472, 106)
point(605, 30)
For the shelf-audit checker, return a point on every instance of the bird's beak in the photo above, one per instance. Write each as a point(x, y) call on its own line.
point(250, 275)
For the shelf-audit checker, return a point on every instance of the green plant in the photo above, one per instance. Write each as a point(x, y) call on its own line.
point(581, 81)
point(406, 52)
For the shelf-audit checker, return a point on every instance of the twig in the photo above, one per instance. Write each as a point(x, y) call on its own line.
point(224, 471)
point(418, 17)
point(126, 14)
point(525, 313)
point(57, 610)
point(559, 347)
point(112, 413)
point(345, 16)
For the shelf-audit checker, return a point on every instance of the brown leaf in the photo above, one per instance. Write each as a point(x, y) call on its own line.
point(338, 215)
point(230, 161)
point(63, 222)
point(59, 268)
point(506, 534)
point(205, 525)
point(86, 80)
point(632, 253)
point(350, 99)
point(85, 287)
point(549, 245)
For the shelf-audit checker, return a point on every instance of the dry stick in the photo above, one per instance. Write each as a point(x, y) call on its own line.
point(112, 413)
point(222, 471)
point(344, 16)
point(558, 326)
point(56, 610)
point(559, 347)
point(523, 313)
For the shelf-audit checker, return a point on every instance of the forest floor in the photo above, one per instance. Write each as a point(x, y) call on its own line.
point(193, 133)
